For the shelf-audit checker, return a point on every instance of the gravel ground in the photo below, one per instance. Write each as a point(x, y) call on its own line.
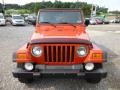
point(106, 36)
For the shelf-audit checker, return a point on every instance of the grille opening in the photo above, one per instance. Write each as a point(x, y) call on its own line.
point(54, 54)
point(73, 51)
point(59, 53)
point(45, 53)
point(50, 53)
point(63, 52)
point(68, 53)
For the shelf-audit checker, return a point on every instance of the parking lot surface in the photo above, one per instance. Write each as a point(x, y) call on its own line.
point(105, 36)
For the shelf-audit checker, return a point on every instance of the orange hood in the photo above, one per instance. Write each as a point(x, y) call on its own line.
point(63, 31)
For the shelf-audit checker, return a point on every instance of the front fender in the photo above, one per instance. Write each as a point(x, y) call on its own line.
point(96, 55)
point(22, 55)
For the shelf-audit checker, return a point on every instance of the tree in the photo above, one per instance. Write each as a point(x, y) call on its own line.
point(1, 8)
point(34, 7)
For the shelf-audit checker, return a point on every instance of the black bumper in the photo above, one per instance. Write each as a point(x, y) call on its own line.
point(100, 73)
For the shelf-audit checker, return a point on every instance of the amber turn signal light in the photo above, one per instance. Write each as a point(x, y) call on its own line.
point(21, 56)
point(97, 55)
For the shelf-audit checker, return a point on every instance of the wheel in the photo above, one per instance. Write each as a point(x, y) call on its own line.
point(23, 80)
point(93, 80)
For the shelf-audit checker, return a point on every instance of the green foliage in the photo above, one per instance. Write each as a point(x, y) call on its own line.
point(13, 11)
point(34, 7)
point(115, 12)
point(12, 6)
point(101, 10)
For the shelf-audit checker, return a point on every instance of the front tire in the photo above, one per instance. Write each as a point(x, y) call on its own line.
point(93, 80)
point(24, 80)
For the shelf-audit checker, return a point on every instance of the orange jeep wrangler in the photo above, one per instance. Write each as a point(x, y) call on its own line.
point(60, 45)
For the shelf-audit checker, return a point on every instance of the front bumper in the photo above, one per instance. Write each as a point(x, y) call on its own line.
point(18, 23)
point(20, 73)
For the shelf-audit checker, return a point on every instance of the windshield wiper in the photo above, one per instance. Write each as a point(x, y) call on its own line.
point(48, 23)
point(67, 23)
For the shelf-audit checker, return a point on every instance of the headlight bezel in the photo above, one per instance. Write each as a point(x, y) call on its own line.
point(36, 46)
point(86, 50)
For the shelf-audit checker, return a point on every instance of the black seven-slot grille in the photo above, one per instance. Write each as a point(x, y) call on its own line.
point(59, 53)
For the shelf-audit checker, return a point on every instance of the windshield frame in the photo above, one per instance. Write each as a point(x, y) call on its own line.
point(81, 13)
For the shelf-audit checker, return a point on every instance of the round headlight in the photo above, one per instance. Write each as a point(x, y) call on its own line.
point(89, 66)
point(29, 66)
point(82, 51)
point(36, 51)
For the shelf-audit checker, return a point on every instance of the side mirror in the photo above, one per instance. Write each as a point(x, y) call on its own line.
point(87, 22)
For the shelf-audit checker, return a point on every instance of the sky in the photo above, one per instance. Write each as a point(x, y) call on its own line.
point(111, 4)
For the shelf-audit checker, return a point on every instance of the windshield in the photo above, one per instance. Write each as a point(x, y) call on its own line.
point(1, 17)
point(60, 17)
point(17, 17)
